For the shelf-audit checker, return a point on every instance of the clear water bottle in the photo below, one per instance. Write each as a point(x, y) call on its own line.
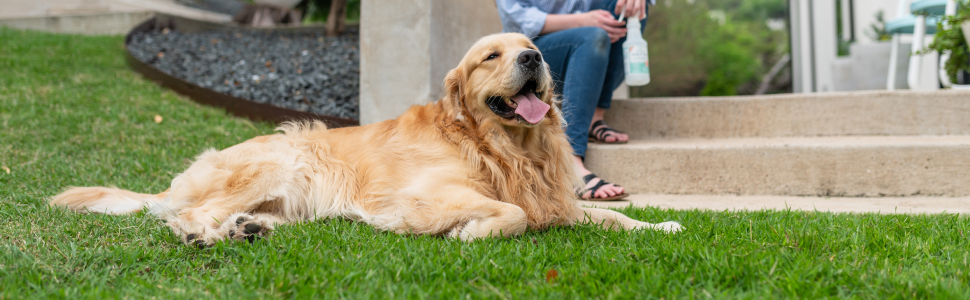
point(635, 60)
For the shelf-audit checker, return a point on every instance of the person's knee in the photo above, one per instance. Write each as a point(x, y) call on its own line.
point(597, 39)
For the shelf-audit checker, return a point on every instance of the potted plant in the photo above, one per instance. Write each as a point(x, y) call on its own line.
point(953, 41)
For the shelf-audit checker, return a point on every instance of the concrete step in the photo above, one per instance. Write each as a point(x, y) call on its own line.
point(869, 166)
point(789, 115)
point(886, 205)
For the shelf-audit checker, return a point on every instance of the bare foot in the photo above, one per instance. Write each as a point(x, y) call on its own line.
point(608, 190)
point(612, 136)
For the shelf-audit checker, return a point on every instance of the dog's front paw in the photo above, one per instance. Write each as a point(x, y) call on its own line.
point(247, 227)
point(670, 227)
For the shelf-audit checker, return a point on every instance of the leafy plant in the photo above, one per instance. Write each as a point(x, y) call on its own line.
point(877, 30)
point(952, 41)
point(842, 44)
point(751, 10)
point(316, 11)
point(693, 54)
point(734, 62)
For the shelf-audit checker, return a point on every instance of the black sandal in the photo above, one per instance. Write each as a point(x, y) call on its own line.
point(600, 131)
point(592, 190)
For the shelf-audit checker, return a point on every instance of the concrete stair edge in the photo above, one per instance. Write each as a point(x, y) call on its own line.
point(871, 166)
point(819, 114)
point(885, 205)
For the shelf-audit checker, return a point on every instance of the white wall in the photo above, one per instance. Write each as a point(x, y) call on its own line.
point(864, 14)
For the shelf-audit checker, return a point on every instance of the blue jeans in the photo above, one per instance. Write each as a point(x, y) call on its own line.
point(586, 68)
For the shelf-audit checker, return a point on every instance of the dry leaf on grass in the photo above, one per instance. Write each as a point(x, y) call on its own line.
point(551, 275)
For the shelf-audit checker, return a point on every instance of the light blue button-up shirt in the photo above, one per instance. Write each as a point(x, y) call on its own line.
point(528, 16)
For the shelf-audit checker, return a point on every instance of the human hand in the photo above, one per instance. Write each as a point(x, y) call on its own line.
point(631, 8)
point(603, 19)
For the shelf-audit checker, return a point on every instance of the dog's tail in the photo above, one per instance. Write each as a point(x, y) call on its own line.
point(112, 201)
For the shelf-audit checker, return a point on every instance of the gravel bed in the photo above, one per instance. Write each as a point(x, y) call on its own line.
point(307, 72)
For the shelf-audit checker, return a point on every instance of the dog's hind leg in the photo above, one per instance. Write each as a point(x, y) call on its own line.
point(209, 200)
point(249, 227)
point(204, 226)
point(201, 226)
point(218, 219)
point(614, 220)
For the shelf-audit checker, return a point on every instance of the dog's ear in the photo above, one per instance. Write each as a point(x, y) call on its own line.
point(454, 97)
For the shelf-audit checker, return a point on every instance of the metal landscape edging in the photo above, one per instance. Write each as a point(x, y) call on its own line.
point(234, 105)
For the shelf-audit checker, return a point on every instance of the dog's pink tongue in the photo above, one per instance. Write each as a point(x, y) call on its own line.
point(530, 108)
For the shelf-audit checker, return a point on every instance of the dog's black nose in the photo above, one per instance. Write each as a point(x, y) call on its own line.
point(530, 59)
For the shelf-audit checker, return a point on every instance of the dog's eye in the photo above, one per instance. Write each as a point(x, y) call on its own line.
point(492, 56)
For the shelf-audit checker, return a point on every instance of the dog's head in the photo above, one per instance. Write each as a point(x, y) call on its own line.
point(499, 108)
point(502, 79)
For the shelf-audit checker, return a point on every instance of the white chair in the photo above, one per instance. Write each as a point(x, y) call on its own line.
point(922, 20)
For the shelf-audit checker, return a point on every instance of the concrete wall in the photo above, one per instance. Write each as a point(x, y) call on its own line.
point(408, 46)
point(92, 16)
point(99, 23)
point(23, 9)
point(457, 25)
point(394, 57)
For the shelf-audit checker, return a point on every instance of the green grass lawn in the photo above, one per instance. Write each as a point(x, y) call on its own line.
point(73, 114)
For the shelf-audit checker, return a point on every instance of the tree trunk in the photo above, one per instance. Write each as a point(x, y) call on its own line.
point(335, 21)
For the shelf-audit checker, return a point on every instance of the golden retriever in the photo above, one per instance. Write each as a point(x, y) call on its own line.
point(488, 159)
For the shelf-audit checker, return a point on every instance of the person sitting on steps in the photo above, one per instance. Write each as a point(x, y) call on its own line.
point(581, 40)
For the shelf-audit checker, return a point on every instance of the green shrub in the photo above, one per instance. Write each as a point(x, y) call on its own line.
point(693, 54)
point(730, 54)
point(752, 10)
point(316, 11)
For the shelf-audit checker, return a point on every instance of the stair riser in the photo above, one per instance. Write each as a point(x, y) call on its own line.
point(794, 171)
point(827, 114)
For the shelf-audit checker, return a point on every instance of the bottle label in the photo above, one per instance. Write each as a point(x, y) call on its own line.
point(638, 63)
